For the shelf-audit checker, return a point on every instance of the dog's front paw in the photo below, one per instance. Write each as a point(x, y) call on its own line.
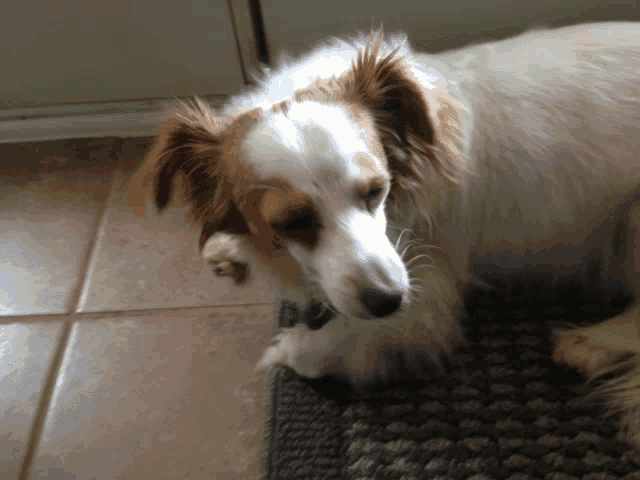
point(580, 352)
point(284, 350)
point(228, 268)
point(226, 258)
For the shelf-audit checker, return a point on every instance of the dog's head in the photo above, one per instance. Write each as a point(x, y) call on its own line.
point(311, 177)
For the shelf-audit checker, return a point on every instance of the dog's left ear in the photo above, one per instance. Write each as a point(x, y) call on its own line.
point(420, 124)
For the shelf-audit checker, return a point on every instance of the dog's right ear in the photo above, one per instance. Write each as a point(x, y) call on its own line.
point(202, 152)
point(188, 150)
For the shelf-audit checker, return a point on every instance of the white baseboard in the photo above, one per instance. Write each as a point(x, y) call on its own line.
point(105, 119)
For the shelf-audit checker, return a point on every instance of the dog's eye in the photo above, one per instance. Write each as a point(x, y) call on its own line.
point(374, 194)
point(301, 224)
point(373, 197)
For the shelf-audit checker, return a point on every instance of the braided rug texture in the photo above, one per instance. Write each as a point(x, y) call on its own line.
point(503, 409)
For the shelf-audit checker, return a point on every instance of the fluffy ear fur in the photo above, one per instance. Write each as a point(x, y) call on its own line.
point(203, 150)
point(399, 109)
point(420, 126)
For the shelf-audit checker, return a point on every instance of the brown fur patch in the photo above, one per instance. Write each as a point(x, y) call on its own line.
point(291, 214)
point(367, 124)
point(368, 167)
point(420, 129)
point(382, 85)
point(282, 107)
point(207, 151)
point(321, 90)
point(211, 161)
point(224, 193)
point(413, 129)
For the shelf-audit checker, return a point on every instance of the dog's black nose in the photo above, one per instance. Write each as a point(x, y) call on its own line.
point(380, 304)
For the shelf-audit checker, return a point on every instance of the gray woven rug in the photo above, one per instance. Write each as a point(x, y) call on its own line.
point(502, 410)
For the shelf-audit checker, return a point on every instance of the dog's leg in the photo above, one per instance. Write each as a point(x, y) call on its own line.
point(613, 345)
point(596, 348)
point(367, 350)
point(224, 254)
point(308, 352)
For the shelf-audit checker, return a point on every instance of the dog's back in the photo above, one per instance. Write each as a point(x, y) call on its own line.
point(554, 120)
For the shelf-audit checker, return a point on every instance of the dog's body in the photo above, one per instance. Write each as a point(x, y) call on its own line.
point(516, 155)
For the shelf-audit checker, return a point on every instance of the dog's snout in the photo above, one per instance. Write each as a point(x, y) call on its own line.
point(380, 304)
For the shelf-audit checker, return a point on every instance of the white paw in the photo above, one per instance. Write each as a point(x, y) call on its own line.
point(223, 245)
point(284, 350)
point(224, 253)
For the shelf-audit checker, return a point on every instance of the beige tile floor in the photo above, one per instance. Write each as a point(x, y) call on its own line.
point(121, 354)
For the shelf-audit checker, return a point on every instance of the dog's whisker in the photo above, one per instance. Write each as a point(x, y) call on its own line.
point(417, 248)
point(428, 246)
point(416, 298)
point(404, 251)
point(400, 240)
point(408, 263)
point(413, 264)
point(414, 245)
point(415, 268)
point(417, 282)
point(400, 237)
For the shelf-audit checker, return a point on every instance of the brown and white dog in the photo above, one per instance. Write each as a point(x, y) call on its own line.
point(376, 180)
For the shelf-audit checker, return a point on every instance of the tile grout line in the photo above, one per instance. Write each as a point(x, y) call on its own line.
point(64, 343)
point(75, 299)
point(134, 312)
point(46, 397)
point(45, 400)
